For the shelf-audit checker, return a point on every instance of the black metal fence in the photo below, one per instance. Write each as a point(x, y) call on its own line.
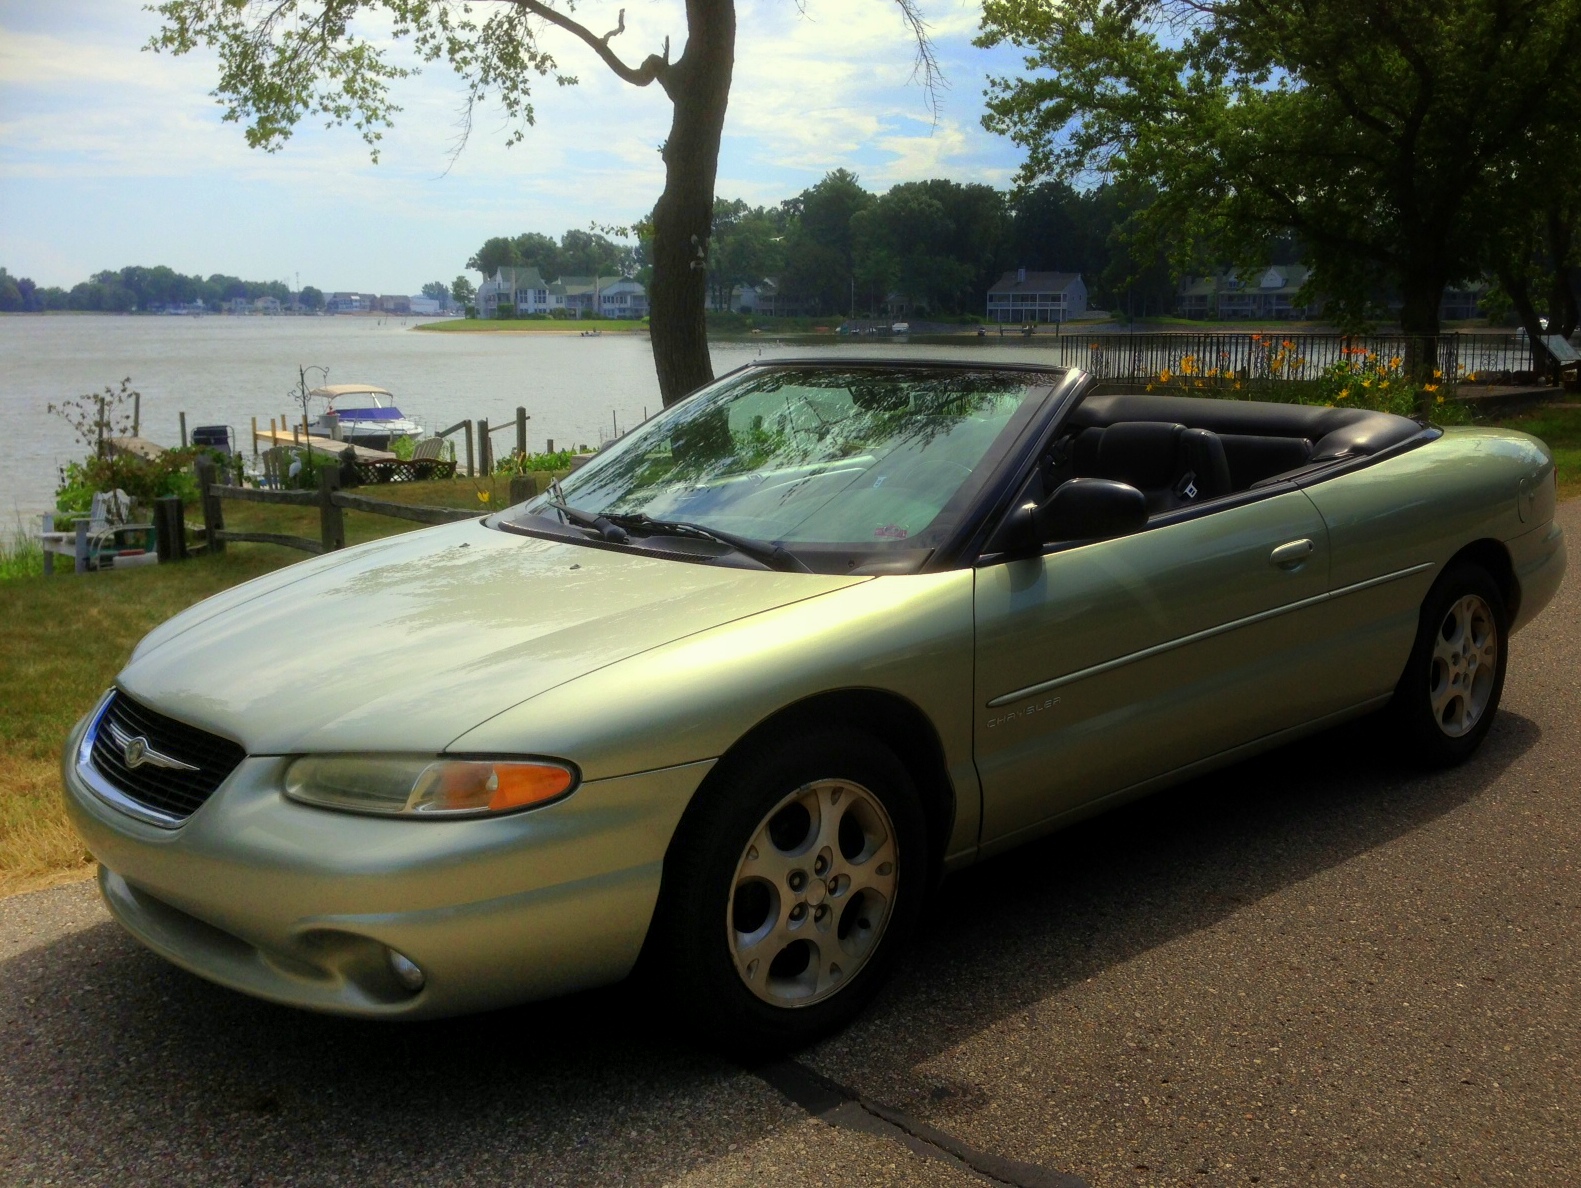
point(1272, 356)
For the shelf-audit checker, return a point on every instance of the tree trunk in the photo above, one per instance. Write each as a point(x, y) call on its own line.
point(1514, 282)
point(1423, 292)
point(699, 87)
point(1562, 311)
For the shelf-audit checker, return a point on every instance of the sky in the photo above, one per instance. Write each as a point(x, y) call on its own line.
point(111, 156)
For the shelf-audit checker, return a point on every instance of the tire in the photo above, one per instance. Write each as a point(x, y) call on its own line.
point(1449, 693)
point(790, 887)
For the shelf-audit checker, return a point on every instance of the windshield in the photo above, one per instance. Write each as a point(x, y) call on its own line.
point(859, 459)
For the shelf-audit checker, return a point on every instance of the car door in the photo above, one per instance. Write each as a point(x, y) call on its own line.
point(1108, 664)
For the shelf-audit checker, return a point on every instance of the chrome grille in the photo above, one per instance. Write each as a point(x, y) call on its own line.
point(202, 760)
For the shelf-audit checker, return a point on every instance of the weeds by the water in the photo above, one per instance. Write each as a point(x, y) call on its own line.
point(21, 555)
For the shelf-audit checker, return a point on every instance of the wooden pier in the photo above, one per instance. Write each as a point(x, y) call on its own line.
point(320, 445)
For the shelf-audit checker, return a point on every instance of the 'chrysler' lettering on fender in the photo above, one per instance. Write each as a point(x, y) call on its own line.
point(1026, 711)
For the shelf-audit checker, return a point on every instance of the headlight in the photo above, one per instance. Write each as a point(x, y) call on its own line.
point(423, 786)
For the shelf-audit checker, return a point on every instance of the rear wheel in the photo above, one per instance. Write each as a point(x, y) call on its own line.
point(788, 890)
point(1449, 693)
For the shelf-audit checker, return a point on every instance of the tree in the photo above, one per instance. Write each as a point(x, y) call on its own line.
point(746, 248)
point(820, 261)
point(462, 292)
point(438, 291)
point(283, 59)
point(11, 299)
point(1377, 131)
point(311, 298)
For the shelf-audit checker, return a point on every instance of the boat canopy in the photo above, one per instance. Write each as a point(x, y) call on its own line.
point(334, 390)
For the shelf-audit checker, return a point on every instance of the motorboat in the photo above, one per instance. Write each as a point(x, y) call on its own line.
point(361, 414)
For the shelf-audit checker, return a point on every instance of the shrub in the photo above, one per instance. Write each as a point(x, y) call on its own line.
point(143, 479)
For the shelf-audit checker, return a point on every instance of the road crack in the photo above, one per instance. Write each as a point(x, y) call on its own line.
point(837, 1105)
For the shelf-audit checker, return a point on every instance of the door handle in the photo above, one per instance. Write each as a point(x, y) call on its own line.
point(1291, 554)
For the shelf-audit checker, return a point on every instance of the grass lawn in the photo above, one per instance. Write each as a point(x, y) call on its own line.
point(534, 326)
point(66, 638)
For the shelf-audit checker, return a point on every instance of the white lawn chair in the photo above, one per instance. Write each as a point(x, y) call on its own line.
point(95, 539)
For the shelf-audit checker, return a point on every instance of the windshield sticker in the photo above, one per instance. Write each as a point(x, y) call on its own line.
point(892, 531)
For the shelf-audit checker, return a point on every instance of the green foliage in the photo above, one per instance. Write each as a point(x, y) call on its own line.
point(747, 247)
point(403, 448)
point(462, 292)
point(281, 62)
point(11, 299)
point(143, 479)
point(311, 298)
point(21, 555)
point(530, 463)
point(935, 243)
point(820, 257)
point(1389, 138)
point(579, 253)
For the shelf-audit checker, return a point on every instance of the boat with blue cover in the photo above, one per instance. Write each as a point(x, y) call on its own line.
point(362, 414)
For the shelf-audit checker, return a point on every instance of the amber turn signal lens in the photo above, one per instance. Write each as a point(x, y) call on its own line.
point(463, 785)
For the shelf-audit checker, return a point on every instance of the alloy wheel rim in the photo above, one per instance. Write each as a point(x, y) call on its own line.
point(813, 892)
point(1464, 666)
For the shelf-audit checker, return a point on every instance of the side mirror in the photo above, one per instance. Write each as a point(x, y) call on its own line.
point(1089, 509)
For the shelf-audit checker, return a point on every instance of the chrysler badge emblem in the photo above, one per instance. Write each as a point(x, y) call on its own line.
point(135, 752)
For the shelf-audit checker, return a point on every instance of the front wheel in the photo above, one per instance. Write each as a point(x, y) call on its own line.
point(788, 890)
point(1450, 690)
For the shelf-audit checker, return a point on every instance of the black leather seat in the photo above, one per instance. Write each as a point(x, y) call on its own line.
point(1145, 454)
point(1207, 467)
point(1254, 457)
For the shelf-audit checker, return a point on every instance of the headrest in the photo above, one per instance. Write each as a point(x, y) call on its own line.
point(1142, 453)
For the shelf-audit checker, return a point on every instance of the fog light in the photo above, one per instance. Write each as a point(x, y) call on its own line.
point(406, 971)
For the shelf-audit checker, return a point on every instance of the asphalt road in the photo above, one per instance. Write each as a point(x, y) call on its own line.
point(1315, 968)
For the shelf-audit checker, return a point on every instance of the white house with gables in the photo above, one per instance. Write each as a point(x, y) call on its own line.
point(1273, 292)
point(1022, 296)
point(582, 296)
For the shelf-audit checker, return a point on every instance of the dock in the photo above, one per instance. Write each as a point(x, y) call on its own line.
point(321, 445)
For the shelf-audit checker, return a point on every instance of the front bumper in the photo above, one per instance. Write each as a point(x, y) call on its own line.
point(302, 906)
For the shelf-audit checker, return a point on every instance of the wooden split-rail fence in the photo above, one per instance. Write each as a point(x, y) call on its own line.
point(329, 499)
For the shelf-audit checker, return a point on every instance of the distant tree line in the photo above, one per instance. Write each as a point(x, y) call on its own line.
point(137, 287)
point(839, 248)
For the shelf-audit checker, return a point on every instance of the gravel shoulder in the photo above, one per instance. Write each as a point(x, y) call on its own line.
point(1314, 968)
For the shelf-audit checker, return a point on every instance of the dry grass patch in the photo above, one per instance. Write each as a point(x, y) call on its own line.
point(38, 847)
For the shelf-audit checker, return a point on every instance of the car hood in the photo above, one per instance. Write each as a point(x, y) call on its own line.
point(409, 642)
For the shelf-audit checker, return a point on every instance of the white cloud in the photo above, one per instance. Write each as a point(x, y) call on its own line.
point(85, 112)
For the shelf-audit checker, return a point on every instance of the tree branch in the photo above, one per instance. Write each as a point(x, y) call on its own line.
point(653, 67)
point(925, 68)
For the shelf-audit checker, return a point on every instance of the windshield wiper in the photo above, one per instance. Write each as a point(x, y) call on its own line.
point(618, 527)
point(602, 525)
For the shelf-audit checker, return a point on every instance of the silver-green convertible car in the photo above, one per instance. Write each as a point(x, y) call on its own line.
point(727, 703)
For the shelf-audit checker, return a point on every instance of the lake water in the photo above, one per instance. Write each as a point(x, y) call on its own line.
point(227, 370)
